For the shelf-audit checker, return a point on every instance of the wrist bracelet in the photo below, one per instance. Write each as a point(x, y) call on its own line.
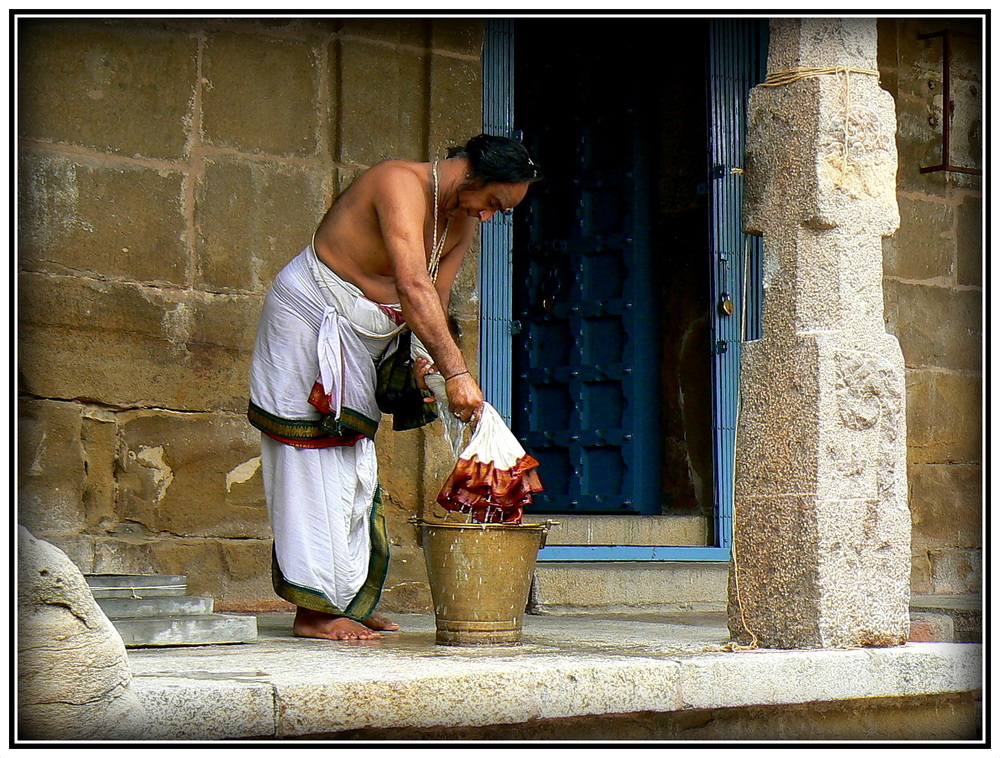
point(449, 378)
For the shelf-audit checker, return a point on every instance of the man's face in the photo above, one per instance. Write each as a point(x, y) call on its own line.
point(483, 201)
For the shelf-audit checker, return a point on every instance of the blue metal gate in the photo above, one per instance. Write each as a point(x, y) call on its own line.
point(737, 62)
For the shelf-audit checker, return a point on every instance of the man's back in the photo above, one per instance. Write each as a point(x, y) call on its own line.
point(391, 198)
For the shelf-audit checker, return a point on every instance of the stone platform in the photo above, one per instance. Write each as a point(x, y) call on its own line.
point(638, 677)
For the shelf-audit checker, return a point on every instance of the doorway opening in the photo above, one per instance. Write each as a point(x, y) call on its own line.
point(612, 387)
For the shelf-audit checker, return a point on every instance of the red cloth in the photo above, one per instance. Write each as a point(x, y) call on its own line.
point(490, 494)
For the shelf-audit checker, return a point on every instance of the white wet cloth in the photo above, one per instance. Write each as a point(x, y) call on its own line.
point(315, 326)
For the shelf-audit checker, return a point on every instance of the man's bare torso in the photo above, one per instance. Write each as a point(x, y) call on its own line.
point(350, 239)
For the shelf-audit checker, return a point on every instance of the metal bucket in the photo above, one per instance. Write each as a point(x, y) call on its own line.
point(480, 576)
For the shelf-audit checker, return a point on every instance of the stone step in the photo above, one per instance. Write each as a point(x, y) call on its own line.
point(161, 605)
point(211, 629)
point(622, 587)
point(136, 585)
point(583, 529)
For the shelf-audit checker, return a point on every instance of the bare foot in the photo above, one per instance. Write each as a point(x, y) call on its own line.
point(380, 623)
point(329, 627)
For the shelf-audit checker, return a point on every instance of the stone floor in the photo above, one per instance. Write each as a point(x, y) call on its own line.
point(612, 670)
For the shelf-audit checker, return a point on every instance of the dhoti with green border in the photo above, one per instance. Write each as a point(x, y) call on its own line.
point(323, 360)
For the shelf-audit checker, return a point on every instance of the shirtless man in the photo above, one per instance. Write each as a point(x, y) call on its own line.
point(379, 236)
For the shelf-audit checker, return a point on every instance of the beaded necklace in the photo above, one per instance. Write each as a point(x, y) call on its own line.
point(436, 247)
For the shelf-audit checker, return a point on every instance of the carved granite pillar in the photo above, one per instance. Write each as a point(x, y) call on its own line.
point(822, 533)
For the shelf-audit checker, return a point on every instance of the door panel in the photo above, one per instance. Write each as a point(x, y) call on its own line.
point(585, 358)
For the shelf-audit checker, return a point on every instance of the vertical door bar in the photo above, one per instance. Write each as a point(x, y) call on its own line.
point(497, 235)
point(734, 50)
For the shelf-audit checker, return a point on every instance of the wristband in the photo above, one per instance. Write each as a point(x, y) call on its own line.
point(449, 378)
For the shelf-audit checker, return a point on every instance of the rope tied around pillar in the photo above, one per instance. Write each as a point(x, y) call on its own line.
point(782, 78)
point(792, 75)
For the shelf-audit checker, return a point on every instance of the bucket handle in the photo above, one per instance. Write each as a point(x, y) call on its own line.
point(549, 523)
point(417, 522)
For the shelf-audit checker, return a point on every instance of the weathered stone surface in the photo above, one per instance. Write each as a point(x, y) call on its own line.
point(73, 678)
point(931, 627)
point(124, 89)
point(51, 466)
point(464, 303)
point(782, 408)
point(457, 35)
point(944, 412)
point(405, 31)
point(251, 219)
point(969, 239)
point(127, 345)
point(623, 587)
point(924, 246)
point(79, 548)
point(920, 143)
point(184, 708)
point(940, 327)
point(114, 220)
point(946, 500)
point(822, 433)
point(387, 121)
point(456, 102)
point(406, 586)
point(235, 573)
point(259, 94)
point(191, 475)
point(610, 678)
point(580, 529)
point(400, 463)
point(100, 445)
point(957, 572)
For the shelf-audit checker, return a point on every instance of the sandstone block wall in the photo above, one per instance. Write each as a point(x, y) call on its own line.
point(934, 296)
point(167, 170)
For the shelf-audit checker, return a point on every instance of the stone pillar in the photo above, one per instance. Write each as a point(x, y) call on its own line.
point(822, 530)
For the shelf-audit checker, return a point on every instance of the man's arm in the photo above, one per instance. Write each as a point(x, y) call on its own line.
point(401, 210)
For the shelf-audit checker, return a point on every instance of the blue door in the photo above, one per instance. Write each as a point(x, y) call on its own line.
point(570, 347)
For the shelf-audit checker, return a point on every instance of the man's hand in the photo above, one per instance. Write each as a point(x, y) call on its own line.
point(465, 399)
point(421, 368)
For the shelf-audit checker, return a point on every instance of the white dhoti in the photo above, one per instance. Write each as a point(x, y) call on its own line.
point(312, 393)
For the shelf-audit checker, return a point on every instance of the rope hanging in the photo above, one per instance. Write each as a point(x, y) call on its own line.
point(783, 78)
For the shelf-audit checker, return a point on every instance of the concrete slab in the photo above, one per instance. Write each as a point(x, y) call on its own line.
point(136, 585)
point(210, 629)
point(122, 607)
point(567, 667)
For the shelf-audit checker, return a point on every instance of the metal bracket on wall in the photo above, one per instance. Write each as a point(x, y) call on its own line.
point(949, 106)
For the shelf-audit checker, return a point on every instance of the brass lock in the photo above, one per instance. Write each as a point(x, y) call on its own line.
point(726, 305)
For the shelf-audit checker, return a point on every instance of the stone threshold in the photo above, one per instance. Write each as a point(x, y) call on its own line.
point(282, 687)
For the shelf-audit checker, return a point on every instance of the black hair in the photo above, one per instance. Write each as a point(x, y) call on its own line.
point(498, 159)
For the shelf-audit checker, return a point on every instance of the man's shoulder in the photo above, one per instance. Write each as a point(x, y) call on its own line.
point(396, 172)
point(395, 183)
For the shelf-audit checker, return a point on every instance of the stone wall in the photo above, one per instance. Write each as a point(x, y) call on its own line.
point(167, 170)
point(933, 296)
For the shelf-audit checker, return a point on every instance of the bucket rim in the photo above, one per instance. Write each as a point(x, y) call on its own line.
point(451, 525)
